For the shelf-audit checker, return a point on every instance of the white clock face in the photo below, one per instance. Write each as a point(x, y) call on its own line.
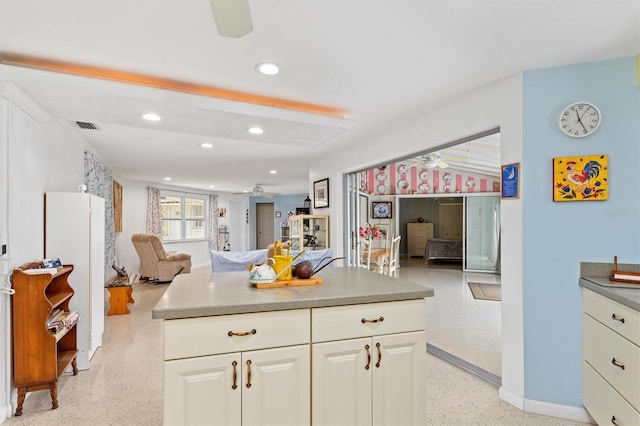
point(579, 119)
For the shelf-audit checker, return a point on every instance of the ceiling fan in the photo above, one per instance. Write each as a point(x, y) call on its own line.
point(232, 17)
point(257, 191)
point(435, 159)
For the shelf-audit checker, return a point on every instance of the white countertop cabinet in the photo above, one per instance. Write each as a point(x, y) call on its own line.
point(611, 366)
point(307, 361)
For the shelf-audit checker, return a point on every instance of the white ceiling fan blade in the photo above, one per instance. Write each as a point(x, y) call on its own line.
point(441, 163)
point(232, 17)
point(455, 159)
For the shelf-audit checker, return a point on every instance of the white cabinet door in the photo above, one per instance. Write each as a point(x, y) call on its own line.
point(278, 390)
point(200, 391)
point(399, 379)
point(270, 386)
point(341, 382)
point(391, 391)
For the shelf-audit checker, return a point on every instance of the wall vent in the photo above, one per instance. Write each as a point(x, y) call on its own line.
point(85, 125)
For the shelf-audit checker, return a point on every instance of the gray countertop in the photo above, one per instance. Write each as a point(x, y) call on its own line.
point(627, 296)
point(203, 293)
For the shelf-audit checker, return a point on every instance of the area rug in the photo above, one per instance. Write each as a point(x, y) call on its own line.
point(485, 291)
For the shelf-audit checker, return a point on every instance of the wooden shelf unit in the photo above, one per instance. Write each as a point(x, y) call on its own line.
point(39, 355)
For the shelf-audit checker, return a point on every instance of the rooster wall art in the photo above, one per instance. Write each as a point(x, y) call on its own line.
point(581, 178)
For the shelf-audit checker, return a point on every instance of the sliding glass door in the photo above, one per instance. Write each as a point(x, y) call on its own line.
point(482, 234)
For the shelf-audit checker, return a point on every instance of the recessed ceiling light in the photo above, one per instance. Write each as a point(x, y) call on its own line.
point(212, 186)
point(268, 68)
point(273, 172)
point(255, 130)
point(167, 178)
point(206, 145)
point(150, 116)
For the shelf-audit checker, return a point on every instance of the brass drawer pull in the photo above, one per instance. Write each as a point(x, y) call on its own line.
point(379, 355)
point(366, 367)
point(614, 362)
point(613, 420)
point(617, 318)
point(242, 333)
point(235, 374)
point(248, 373)
point(364, 320)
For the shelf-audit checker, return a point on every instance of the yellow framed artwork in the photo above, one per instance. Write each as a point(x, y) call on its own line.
point(581, 178)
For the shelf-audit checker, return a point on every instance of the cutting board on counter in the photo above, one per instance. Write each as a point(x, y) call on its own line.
point(295, 282)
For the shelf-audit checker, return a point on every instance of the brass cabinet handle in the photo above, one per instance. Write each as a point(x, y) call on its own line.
point(364, 320)
point(235, 375)
point(614, 362)
point(242, 333)
point(617, 318)
point(368, 357)
point(613, 420)
point(379, 355)
point(248, 373)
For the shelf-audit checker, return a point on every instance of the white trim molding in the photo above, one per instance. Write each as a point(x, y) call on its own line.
point(568, 412)
point(12, 93)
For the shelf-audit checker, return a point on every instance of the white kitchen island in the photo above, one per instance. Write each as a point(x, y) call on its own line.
point(350, 351)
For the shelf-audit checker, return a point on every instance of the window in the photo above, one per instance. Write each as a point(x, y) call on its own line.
point(183, 216)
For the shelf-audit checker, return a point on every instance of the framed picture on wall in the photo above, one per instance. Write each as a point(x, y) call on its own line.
point(321, 193)
point(381, 210)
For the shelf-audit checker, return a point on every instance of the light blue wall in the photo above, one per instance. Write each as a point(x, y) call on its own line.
point(558, 236)
point(283, 204)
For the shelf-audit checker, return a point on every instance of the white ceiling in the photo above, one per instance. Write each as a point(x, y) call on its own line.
point(383, 62)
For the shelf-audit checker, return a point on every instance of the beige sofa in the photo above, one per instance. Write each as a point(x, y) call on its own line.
point(155, 264)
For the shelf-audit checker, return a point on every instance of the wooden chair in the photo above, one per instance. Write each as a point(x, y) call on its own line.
point(391, 268)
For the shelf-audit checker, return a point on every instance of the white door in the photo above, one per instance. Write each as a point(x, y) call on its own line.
point(276, 387)
point(201, 391)
point(341, 382)
point(399, 379)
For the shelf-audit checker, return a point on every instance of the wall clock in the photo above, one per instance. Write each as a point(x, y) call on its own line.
point(579, 119)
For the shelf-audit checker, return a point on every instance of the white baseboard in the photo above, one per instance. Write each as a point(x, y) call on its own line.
point(568, 412)
point(4, 412)
point(511, 398)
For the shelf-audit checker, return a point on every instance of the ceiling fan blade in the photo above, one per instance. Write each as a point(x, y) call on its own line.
point(232, 17)
point(441, 164)
point(455, 159)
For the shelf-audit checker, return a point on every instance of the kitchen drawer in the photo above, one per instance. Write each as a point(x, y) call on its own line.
point(603, 402)
point(601, 346)
point(346, 322)
point(191, 337)
point(605, 310)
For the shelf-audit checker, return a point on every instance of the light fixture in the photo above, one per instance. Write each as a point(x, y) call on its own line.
point(307, 203)
point(167, 178)
point(212, 186)
point(273, 172)
point(255, 130)
point(150, 116)
point(268, 68)
point(206, 145)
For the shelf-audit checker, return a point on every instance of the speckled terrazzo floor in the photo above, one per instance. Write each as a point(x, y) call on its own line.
point(124, 384)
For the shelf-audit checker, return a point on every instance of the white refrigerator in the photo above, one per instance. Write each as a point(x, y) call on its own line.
point(74, 233)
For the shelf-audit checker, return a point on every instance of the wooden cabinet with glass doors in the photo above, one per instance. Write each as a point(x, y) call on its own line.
point(309, 232)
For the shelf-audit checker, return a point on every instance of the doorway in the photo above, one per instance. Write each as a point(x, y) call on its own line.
point(264, 225)
point(441, 183)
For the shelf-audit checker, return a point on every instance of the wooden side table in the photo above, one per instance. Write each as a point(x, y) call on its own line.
point(120, 293)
